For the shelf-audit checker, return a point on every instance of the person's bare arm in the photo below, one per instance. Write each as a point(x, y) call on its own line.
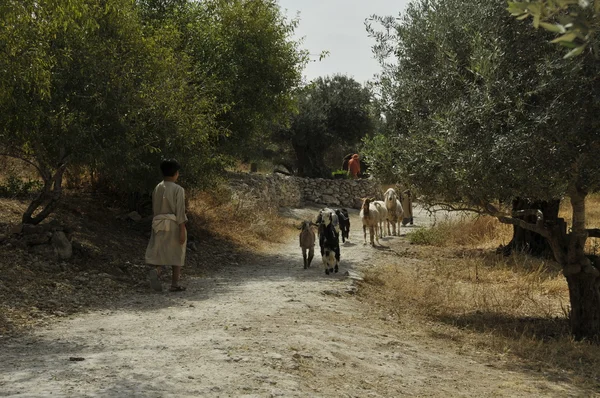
point(182, 233)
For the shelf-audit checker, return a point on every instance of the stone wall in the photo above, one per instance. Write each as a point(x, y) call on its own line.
point(287, 191)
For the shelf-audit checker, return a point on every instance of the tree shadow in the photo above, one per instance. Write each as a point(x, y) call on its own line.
point(514, 328)
point(543, 344)
point(382, 247)
point(219, 268)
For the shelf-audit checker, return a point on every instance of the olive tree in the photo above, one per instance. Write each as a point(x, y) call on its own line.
point(84, 83)
point(485, 112)
point(331, 110)
point(243, 54)
point(575, 22)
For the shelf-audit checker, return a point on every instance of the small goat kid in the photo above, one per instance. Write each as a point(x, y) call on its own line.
point(369, 214)
point(344, 220)
point(394, 210)
point(307, 242)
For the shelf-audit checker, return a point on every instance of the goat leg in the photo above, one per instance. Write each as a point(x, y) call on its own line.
point(304, 257)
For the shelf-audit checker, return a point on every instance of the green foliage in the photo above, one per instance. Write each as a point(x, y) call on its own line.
point(382, 153)
point(576, 22)
point(111, 95)
point(339, 174)
point(427, 237)
point(15, 187)
point(480, 108)
point(483, 109)
point(243, 55)
point(331, 110)
point(114, 86)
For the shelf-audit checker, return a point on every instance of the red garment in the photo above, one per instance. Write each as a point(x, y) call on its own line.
point(354, 166)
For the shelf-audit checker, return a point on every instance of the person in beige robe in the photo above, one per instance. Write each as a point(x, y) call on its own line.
point(168, 238)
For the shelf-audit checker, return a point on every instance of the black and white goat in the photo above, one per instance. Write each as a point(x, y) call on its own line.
point(329, 239)
point(334, 218)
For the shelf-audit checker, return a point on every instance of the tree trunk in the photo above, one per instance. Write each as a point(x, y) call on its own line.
point(48, 197)
point(582, 275)
point(310, 163)
point(585, 304)
point(528, 241)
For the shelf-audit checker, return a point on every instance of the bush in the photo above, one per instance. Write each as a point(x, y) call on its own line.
point(15, 187)
point(427, 237)
point(339, 174)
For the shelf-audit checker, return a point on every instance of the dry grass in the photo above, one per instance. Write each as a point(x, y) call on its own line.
point(515, 305)
point(17, 168)
point(592, 215)
point(241, 220)
point(466, 282)
point(592, 208)
point(470, 231)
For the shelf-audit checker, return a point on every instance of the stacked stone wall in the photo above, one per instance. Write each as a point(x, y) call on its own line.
point(288, 191)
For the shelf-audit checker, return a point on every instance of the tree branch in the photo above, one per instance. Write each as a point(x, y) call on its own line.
point(538, 227)
point(449, 207)
point(530, 212)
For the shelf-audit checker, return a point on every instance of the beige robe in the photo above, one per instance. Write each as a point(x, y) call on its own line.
point(168, 205)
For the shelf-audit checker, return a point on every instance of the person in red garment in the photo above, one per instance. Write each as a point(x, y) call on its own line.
point(354, 166)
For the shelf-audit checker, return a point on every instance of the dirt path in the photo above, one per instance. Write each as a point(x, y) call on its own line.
point(263, 328)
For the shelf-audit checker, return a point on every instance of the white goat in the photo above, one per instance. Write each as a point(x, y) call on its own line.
point(383, 215)
point(369, 214)
point(394, 209)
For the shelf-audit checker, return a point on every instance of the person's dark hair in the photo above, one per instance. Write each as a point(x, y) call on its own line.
point(169, 167)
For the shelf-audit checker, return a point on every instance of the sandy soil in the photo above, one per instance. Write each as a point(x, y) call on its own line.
point(264, 327)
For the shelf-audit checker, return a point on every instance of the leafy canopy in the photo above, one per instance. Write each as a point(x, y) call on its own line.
point(480, 108)
point(331, 110)
point(575, 22)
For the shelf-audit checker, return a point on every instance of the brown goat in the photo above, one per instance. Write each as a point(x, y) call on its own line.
point(307, 242)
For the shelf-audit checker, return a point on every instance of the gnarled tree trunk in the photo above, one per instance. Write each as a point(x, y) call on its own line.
point(582, 274)
point(48, 198)
point(583, 277)
point(585, 305)
point(524, 240)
